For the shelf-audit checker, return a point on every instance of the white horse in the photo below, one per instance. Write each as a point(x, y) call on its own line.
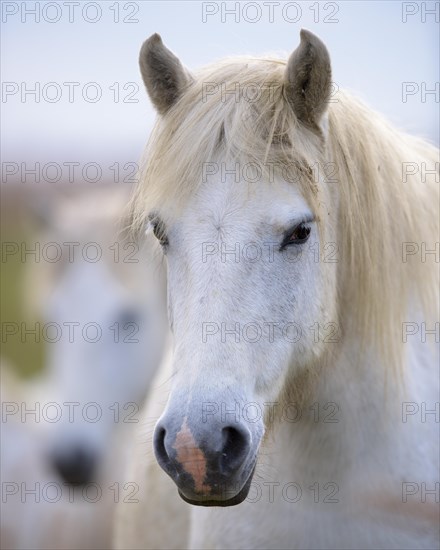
point(296, 227)
point(112, 337)
point(104, 329)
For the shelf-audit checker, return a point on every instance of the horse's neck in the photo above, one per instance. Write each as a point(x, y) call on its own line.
point(356, 415)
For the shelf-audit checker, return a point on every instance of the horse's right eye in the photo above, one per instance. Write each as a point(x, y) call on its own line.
point(159, 230)
point(159, 233)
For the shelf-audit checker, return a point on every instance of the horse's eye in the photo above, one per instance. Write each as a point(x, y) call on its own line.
point(159, 230)
point(159, 233)
point(128, 317)
point(297, 235)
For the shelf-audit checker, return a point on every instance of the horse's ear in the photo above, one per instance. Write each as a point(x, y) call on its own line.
point(163, 74)
point(308, 79)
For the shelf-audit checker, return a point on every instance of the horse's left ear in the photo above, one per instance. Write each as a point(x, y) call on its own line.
point(308, 79)
point(163, 74)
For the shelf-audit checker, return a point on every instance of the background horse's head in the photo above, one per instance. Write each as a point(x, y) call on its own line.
point(270, 208)
point(102, 309)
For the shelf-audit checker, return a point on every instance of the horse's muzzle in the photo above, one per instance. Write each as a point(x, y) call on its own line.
point(76, 465)
point(212, 464)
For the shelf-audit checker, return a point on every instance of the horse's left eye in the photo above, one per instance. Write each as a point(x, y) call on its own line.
point(128, 317)
point(297, 235)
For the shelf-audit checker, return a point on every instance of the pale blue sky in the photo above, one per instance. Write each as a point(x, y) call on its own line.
point(373, 51)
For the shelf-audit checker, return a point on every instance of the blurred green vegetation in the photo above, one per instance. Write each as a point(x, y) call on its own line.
point(25, 358)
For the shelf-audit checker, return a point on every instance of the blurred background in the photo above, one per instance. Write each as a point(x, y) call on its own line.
point(375, 47)
point(75, 118)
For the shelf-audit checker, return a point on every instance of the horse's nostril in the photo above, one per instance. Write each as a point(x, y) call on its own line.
point(235, 447)
point(76, 466)
point(159, 444)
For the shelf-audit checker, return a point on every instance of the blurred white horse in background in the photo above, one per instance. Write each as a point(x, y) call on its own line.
point(103, 323)
point(300, 314)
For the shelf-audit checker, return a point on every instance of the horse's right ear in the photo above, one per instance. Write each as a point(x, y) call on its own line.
point(163, 74)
